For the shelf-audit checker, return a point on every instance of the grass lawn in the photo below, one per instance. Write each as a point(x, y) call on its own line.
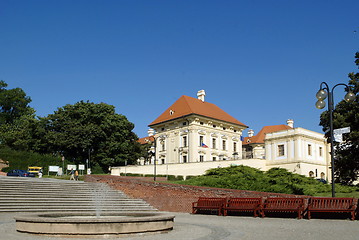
point(64, 177)
point(338, 194)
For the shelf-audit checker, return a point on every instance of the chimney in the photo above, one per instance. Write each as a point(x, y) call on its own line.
point(201, 94)
point(250, 133)
point(290, 123)
point(150, 132)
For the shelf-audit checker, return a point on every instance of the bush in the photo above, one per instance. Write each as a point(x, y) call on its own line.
point(171, 178)
point(96, 169)
point(190, 177)
point(174, 178)
point(133, 175)
point(276, 180)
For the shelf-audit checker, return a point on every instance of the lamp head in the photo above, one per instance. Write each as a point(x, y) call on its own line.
point(320, 104)
point(321, 94)
point(349, 97)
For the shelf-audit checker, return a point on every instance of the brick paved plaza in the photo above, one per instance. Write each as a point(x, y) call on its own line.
point(205, 227)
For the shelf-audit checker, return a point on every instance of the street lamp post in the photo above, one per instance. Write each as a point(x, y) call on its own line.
point(153, 154)
point(321, 95)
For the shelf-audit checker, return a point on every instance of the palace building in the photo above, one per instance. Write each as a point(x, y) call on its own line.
point(192, 136)
point(193, 130)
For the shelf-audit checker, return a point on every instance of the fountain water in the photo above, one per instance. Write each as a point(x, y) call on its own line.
point(99, 197)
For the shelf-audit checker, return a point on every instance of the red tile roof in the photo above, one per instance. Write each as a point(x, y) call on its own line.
point(146, 140)
point(185, 106)
point(259, 138)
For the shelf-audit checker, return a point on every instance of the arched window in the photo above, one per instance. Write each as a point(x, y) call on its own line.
point(311, 174)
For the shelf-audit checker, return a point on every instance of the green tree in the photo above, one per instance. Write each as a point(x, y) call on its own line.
point(23, 134)
point(346, 115)
point(13, 104)
point(17, 119)
point(88, 130)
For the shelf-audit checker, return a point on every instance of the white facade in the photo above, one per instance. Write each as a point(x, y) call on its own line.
point(299, 150)
point(197, 139)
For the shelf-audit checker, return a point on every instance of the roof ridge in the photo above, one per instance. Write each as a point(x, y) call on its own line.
point(259, 137)
point(186, 100)
point(187, 105)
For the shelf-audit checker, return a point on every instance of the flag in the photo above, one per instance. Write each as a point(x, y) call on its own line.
point(204, 145)
point(242, 138)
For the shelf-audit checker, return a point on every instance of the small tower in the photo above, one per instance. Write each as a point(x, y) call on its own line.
point(250, 133)
point(201, 94)
point(290, 123)
point(150, 132)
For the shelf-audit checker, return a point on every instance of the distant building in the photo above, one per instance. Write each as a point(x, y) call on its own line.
point(253, 145)
point(147, 140)
point(297, 149)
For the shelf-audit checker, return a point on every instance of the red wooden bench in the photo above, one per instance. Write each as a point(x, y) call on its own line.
point(332, 205)
point(243, 205)
point(211, 204)
point(284, 205)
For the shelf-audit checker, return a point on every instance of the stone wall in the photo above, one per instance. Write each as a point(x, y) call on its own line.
point(171, 197)
point(186, 169)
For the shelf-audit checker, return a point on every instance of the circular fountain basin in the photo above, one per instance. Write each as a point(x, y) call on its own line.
point(89, 224)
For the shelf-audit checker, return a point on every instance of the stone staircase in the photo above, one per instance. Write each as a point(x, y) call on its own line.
point(18, 194)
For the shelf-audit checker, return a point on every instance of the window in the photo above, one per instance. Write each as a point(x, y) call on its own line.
point(184, 142)
point(200, 141)
point(213, 143)
point(224, 144)
point(214, 158)
point(163, 161)
point(201, 158)
point(224, 128)
point(320, 152)
point(214, 126)
point(184, 159)
point(280, 150)
point(184, 123)
point(201, 123)
point(309, 150)
point(163, 145)
point(234, 147)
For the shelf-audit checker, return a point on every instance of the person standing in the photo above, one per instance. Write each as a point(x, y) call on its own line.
point(76, 175)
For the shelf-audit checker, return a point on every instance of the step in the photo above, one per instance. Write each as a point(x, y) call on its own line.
point(77, 210)
point(44, 195)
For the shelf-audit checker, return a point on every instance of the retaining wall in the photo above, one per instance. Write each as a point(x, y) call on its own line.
point(171, 197)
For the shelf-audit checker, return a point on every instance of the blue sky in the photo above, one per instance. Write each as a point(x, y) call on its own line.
point(260, 61)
